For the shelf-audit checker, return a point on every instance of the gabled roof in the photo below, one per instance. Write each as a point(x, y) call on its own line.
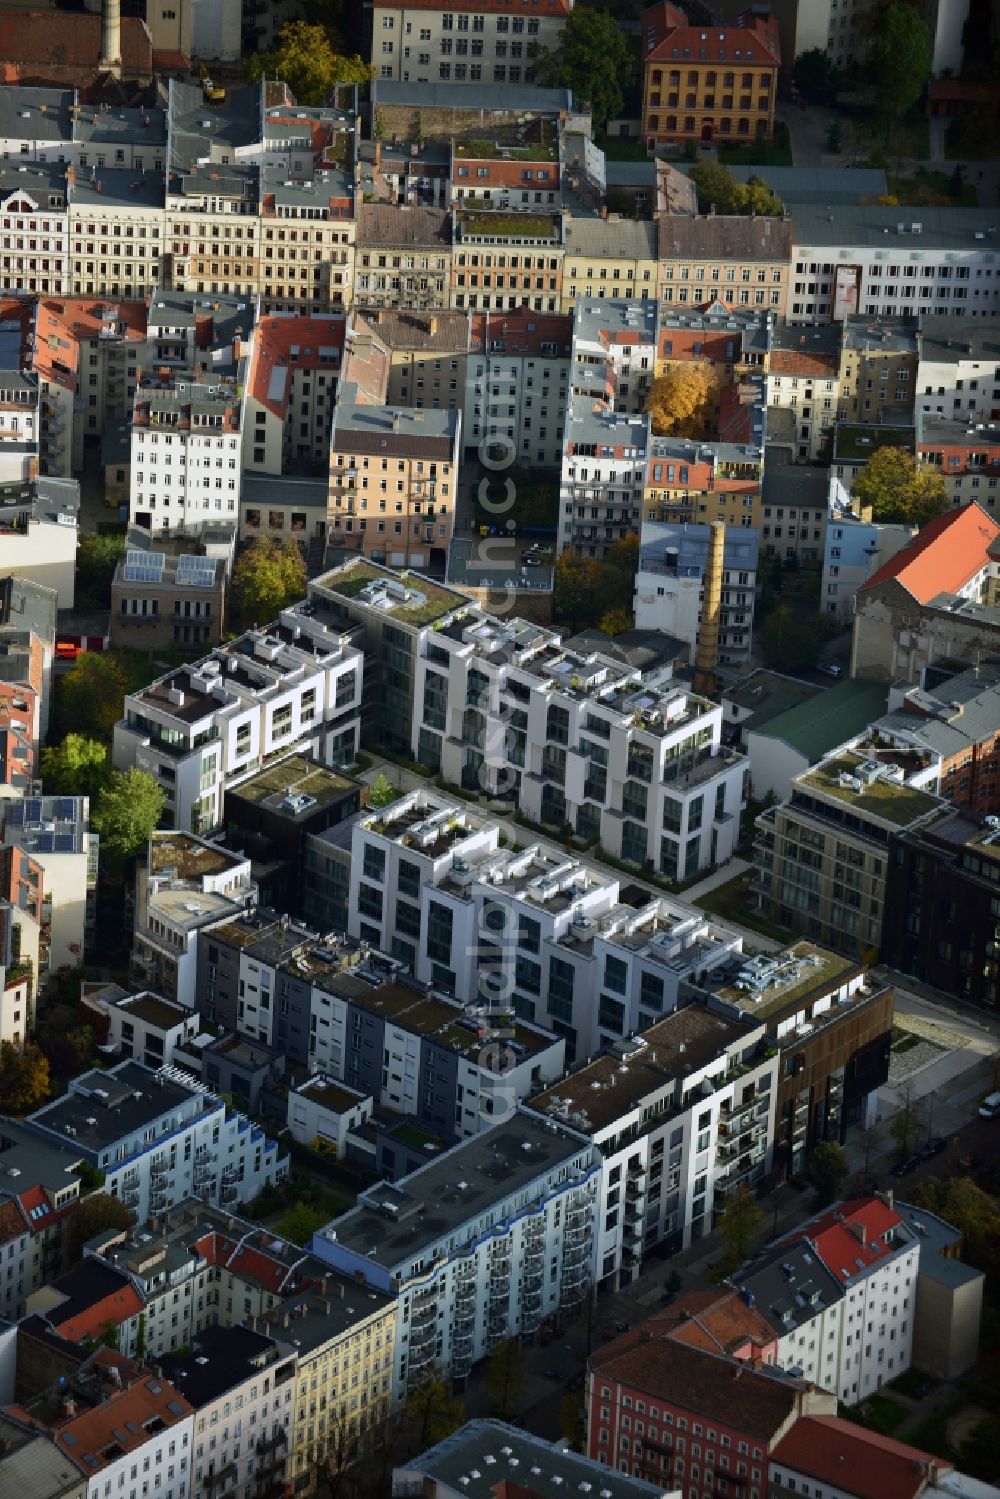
point(853, 1460)
point(943, 556)
point(852, 1237)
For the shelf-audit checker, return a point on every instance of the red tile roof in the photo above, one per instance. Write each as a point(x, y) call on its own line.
point(853, 1460)
point(274, 338)
point(92, 1320)
point(943, 556)
point(55, 44)
point(118, 1424)
point(12, 1225)
point(850, 1237)
point(669, 36)
point(802, 362)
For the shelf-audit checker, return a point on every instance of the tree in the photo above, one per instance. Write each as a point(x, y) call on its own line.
point(24, 1077)
point(681, 400)
point(96, 560)
point(905, 1124)
point(616, 583)
point(978, 1451)
point(899, 64)
point(827, 1168)
point(381, 791)
point(268, 576)
point(307, 60)
point(814, 77)
point(67, 1042)
point(594, 59)
point(615, 622)
point(571, 1420)
point(434, 1413)
point(576, 596)
point(504, 1376)
point(91, 695)
point(972, 1211)
point(127, 811)
point(898, 489)
point(93, 1215)
point(299, 1223)
point(719, 190)
point(77, 767)
point(739, 1224)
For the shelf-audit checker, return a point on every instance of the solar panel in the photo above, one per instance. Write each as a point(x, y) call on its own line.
point(143, 575)
point(65, 843)
point(150, 560)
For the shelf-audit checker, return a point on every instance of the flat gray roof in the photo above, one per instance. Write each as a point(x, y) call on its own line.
point(481, 1455)
point(395, 1222)
point(874, 227)
point(134, 1101)
point(814, 185)
point(620, 239)
point(121, 186)
point(476, 97)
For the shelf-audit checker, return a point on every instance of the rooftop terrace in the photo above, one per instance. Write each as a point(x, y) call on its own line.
point(406, 595)
point(871, 787)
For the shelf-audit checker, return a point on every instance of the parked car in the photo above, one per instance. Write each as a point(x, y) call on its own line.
point(830, 669)
point(990, 1107)
point(931, 1147)
point(905, 1166)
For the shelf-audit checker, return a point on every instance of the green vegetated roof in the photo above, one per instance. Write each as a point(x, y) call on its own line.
point(817, 726)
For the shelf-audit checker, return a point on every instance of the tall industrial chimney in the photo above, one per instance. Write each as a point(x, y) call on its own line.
point(707, 652)
point(111, 37)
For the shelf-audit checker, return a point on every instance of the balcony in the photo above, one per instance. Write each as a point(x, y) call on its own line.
point(574, 1257)
point(228, 1194)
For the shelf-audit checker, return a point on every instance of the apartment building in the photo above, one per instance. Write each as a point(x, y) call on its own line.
point(395, 612)
point(468, 41)
point(740, 262)
point(143, 1026)
point(54, 874)
point(517, 377)
point(881, 262)
point(39, 520)
point(831, 1023)
point(466, 1462)
point(573, 738)
point(959, 375)
point(878, 368)
point(822, 855)
point(614, 353)
point(293, 688)
point(733, 342)
point(917, 606)
point(704, 84)
point(198, 424)
point(854, 550)
point(481, 1244)
point(88, 355)
point(495, 174)
point(602, 478)
point(164, 599)
point(840, 1292)
point(795, 507)
point(34, 222)
point(115, 231)
point(324, 1113)
point(183, 884)
point(689, 482)
point(503, 261)
point(670, 585)
point(607, 258)
point(201, 1147)
point(238, 1369)
point(20, 400)
point(28, 614)
point(292, 379)
point(662, 1405)
point(406, 520)
point(682, 1115)
point(965, 454)
point(42, 1192)
point(403, 256)
point(803, 378)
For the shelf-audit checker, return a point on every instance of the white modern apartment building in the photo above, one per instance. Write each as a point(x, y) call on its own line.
point(958, 371)
point(682, 1116)
point(292, 688)
point(892, 262)
point(533, 931)
point(503, 706)
point(39, 520)
point(463, 41)
point(184, 884)
point(54, 862)
point(480, 1245)
point(840, 1291)
point(160, 1137)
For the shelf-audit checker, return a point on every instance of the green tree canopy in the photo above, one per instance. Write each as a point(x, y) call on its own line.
point(79, 766)
point(594, 59)
point(899, 490)
point(739, 1224)
point(300, 1222)
point(899, 63)
point(381, 791)
point(96, 560)
point(814, 77)
point(24, 1077)
point(91, 695)
point(719, 189)
point(66, 1041)
point(127, 811)
point(306, 58)
point(504, 1377)
point(827, 1168)
point(615, 622)
point(793, 644)
point(434, 1412)
point(972, 1211)
point(92, 1216)
point(575, 590)
point(268, 576)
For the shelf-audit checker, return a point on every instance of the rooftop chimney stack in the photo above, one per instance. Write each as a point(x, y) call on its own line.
point(111, 37)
